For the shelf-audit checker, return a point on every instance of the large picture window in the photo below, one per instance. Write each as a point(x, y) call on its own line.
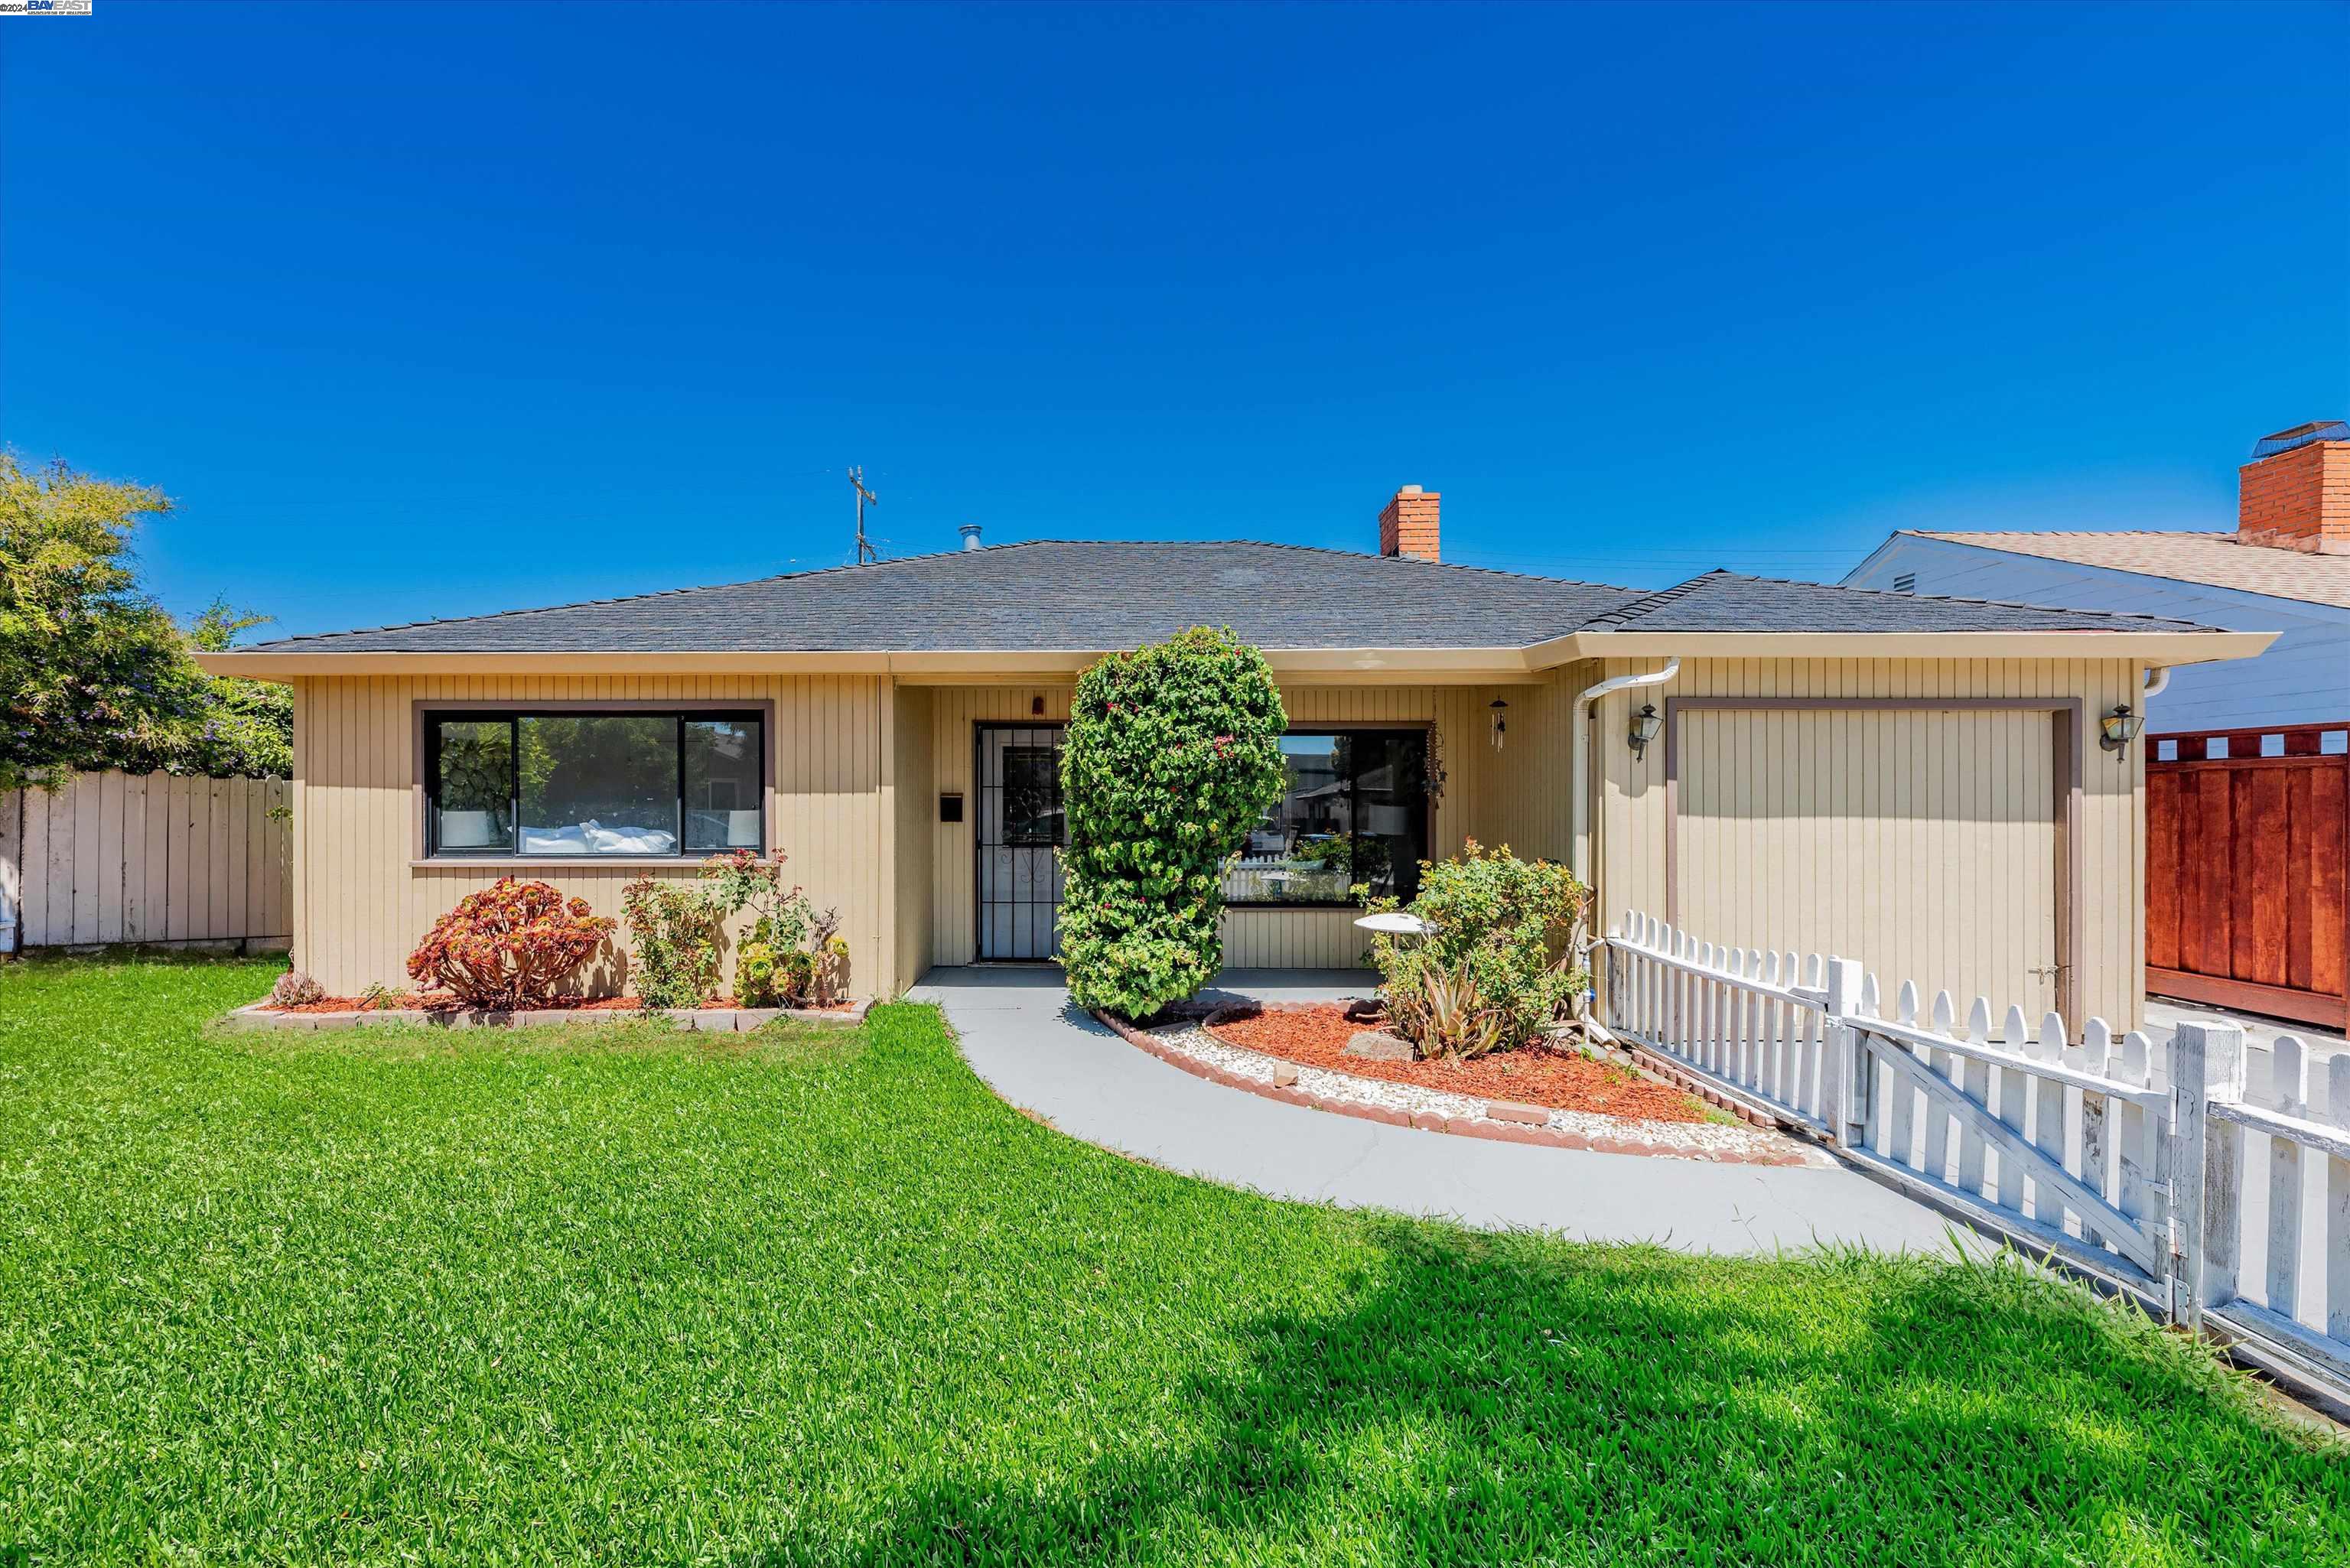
point(1356, 811)
point(582, 783)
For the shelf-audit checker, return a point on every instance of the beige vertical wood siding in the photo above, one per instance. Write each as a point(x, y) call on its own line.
point(859, 764)
point(149, 857)
point(1253, 939)
point(1834, 822)
point(955, 711)
point(1968, 847)
point(1523, 798)
point(916, 783)
point(362, 903)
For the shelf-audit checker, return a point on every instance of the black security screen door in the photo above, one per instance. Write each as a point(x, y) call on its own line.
point(1019, 838)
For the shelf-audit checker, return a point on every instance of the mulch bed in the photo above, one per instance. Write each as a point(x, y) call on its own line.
point(441, 1001)
point(1316, 1036)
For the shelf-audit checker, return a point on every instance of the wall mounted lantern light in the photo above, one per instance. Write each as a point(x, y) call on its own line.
point(2118, 729)
point(1501, 721)
point(1645, 725)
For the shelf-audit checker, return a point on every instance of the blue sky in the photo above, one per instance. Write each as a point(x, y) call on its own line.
point(423, 310)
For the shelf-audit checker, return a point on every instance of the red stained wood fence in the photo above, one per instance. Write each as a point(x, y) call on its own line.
point(2246, 841)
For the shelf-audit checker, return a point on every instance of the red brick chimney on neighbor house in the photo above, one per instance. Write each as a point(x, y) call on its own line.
point(2295, 491)
point(1407, 526)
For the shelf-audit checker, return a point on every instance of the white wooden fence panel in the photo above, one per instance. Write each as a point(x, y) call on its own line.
point(2279, 1264)
point(1738, 1018)
point(2338, 1204)
point(2211, 1178)
point(150, 859)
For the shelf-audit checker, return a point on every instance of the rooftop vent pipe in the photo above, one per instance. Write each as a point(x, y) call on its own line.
point(970, 532)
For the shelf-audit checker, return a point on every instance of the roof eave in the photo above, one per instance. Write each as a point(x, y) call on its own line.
point(1425, 666)
point(2163, 647)
point(1422, 665)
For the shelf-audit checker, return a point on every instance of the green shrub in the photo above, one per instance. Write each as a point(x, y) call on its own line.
point(673, 940)
point(680, 935)
point(1173, 754)
point(755, 975)
point(1493, 975)
point(766, 975)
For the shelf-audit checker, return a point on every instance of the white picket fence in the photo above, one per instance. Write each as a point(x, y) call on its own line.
point(2124, 1156)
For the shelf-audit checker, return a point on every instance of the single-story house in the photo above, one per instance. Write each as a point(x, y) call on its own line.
point(2285, 567)
point(1917, 782)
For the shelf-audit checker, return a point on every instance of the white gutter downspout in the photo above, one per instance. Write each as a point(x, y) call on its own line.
point(1580, 834)
point(1580, 767)
point(2155, 679)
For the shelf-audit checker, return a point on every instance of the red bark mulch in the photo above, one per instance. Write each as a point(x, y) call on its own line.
point(1316, 1036)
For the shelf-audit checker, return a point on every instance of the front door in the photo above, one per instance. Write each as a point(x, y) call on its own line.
point(1019, 840)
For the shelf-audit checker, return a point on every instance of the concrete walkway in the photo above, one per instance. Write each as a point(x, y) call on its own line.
point(1020, 1034)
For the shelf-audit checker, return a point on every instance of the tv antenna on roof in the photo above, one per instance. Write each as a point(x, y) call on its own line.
point(865, 552)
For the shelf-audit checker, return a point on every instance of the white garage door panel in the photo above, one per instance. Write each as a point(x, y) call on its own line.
point(1922, 843)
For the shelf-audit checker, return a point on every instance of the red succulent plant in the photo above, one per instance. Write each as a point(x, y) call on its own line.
point(510, 945)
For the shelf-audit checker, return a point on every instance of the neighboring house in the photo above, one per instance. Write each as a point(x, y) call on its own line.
point(1914, 783)
point(2285, 568)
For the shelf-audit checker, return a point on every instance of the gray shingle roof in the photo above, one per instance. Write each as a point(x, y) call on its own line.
point(1728, 601)
point(1055, 595)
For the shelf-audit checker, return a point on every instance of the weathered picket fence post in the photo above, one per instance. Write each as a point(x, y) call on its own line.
point(2206, 1167)
point(2284, 1089)
point(1840, 1053)
point(2338, 1205)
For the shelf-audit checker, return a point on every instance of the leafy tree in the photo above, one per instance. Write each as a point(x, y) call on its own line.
point(93, 673)
point(1173, 754)
point(248, 727)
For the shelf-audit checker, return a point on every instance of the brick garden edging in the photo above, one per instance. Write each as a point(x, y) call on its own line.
point(705, 1020)
point(1504, 1121)
point(1666, 1071)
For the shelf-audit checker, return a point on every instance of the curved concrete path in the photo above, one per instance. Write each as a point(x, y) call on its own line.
point(1020, 1034)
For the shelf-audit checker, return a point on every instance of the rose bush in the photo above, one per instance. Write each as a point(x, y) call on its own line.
point(510, 945)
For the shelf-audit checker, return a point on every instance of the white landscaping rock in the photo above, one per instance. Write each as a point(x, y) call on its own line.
point(1713, 1139)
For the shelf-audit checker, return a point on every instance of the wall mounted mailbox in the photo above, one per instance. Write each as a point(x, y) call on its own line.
point(951, 808)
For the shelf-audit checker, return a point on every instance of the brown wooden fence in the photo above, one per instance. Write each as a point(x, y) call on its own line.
point(146, 858)
point(2247, 837)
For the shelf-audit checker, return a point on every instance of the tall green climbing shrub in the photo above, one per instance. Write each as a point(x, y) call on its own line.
point(1173, 754)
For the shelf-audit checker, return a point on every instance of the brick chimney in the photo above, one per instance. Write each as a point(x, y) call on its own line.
point(2295, 492)
point(1408, 526)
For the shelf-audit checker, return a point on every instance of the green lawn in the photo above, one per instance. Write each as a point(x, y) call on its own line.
point(630, 1296)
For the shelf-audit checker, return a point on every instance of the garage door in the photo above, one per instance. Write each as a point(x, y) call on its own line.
point(1924, 843)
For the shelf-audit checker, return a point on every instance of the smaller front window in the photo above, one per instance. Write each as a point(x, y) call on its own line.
point(1356, 811)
